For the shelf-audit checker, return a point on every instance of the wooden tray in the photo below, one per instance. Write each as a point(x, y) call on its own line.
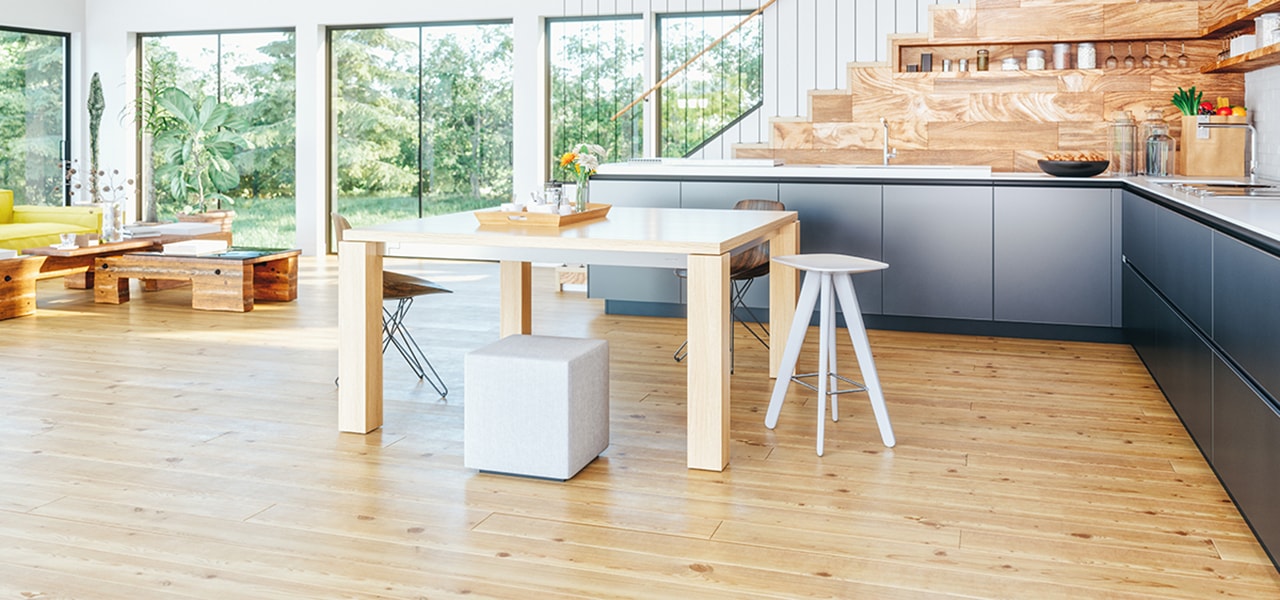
point(528, 219)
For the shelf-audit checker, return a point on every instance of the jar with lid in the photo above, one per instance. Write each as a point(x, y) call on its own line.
point(1122, 144)
point(1153, 119)
point(1009, 64)
point(1061, 56)
point(1086, 56)
point(1160, 151)
point(1035, 60)
point(1267, 28)
point(984, 58)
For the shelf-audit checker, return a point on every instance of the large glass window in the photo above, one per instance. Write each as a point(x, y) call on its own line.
point(423, 119)
point(33, 116)
point(715, 89)
point(254, 74)
point(596, 69)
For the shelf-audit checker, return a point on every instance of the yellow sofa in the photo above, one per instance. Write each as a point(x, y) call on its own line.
point(23, 227)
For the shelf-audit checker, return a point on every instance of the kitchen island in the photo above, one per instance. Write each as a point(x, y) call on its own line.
point(1190, 282)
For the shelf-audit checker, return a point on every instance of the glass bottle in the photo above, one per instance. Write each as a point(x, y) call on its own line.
point(984, 58)
point(1154, 118)
point(1160, 151)
point(1122, 144)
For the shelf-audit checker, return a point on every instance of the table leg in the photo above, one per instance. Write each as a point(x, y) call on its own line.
point(276, 280)
point(708, 331)
point(18, 286)
point(359, 336)
point(515, 280)
point(107, 288)
point(79, 281)
point(784, 292)
point(227, 288)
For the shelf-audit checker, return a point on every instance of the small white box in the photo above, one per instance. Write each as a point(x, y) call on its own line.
point(7, 253)
point(1242, 44)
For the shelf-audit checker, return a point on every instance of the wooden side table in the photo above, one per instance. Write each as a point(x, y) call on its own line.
point(18, 285)
point(75, 265)
point(230, 281)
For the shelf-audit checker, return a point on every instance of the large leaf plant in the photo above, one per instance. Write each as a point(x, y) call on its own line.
point(199, 145)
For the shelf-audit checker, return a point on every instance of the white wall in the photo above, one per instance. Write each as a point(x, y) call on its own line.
point(809, 42)
point(1262, 97)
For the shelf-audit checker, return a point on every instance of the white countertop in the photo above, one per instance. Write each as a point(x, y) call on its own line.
point(1258, 216)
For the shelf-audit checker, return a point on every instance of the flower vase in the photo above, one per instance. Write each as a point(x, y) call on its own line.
point(584, 195)
point(112, 222)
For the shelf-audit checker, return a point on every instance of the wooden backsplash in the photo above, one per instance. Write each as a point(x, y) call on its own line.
point(1005, 119)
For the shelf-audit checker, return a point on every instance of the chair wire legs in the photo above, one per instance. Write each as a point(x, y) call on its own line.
point(738, 301)
point(395, 333)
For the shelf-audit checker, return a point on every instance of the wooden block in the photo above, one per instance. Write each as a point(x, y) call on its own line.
point(1035, 107)
point(1089, 136)
point(845, 135)
point(995, 81)
point(953, 22)
point(1215, 11)
point(1154, 19)
point(1079, 21)
point(18, 286)
point(992, 135)
point(107, 287)
point(277, 280)
point(882, 80)
point(916, 107)
point(828, 107)
point(1105, 81)
point(792, 135)
point(228, 288)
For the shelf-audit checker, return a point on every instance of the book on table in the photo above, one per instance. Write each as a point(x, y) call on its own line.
point(195, 248)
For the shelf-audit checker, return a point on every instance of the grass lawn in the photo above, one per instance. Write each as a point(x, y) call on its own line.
point(270, 222)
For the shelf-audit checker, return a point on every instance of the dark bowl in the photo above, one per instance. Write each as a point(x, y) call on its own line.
point(1073, 168)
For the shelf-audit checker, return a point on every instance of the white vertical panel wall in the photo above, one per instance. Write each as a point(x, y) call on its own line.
point(808, 44)
point(1262, 97)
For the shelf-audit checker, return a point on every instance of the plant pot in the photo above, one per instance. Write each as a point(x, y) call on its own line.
point(222, 217)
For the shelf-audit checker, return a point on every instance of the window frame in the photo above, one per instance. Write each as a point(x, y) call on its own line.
point(68, 139)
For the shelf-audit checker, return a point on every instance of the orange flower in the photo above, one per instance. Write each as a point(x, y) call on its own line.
point(567, 158)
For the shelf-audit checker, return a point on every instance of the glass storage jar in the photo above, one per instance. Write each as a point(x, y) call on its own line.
point(1061, 56)
point(1160, 151)
point(1122, 144)
point(1153, 118)
point(1035, 60)
point(984, 58)
point(1086, 56)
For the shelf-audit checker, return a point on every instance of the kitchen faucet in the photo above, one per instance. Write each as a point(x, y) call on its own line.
point(887, 154)
point(1253, 143)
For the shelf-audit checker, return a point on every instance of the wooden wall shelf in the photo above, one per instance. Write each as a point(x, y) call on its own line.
point(1240, 22)
point(1249, 61)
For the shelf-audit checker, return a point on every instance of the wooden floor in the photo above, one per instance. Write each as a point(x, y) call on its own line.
point(151, 451)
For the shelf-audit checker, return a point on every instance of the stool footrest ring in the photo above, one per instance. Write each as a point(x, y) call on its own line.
point(857, 386)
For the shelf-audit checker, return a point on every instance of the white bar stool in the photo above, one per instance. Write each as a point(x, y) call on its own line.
point(822, 271)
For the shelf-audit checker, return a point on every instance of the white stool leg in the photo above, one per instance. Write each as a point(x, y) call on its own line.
point(862, 348)
point(825, 336)
point(829, 322)
point(791, 352)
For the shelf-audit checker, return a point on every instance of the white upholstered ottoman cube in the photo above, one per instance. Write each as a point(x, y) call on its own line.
point(536, 405)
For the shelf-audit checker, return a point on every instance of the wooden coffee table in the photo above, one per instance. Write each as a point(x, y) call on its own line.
point(75, 265)
point(18, 285)
point(231, 281)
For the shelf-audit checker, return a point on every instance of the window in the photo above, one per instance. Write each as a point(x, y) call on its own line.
point(596, 69)
point(34, 116)
point(423, 119)
point(253, 73)
point(716, 89)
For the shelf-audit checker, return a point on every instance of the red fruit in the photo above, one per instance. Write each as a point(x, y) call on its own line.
point(1224, 111)
point(1207, 105)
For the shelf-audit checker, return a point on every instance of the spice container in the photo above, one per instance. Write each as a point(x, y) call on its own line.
point(946, 65)
point(1122, 144)
point(964, 64)
point(1009, 64)
point(1061, 56)
point(1035, 60)
point(1086, 56)
point(984, 58)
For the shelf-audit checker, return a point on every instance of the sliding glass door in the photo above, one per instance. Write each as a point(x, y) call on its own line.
point(33, 116)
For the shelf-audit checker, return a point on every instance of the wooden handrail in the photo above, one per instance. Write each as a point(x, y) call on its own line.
point(686, 64)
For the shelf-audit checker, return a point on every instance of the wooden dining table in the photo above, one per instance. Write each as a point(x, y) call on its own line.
point(698, 240)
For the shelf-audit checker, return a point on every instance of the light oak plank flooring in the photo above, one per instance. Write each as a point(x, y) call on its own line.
point(152, 451)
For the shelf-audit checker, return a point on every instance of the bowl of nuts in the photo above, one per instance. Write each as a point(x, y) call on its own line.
point(1077, 164)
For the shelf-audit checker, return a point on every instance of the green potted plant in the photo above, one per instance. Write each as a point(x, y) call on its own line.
point(198, 145)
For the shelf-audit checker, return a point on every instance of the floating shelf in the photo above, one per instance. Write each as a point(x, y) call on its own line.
point(1249, 61)
point(1239, 22)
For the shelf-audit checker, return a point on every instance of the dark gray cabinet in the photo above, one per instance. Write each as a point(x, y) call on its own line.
point(637, 284)
point(1053, 256)
point(938, 243)
point(1246, 308)
point(1246, 451)
point(722, 195)
point(841, 219)
point(1183, 266)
